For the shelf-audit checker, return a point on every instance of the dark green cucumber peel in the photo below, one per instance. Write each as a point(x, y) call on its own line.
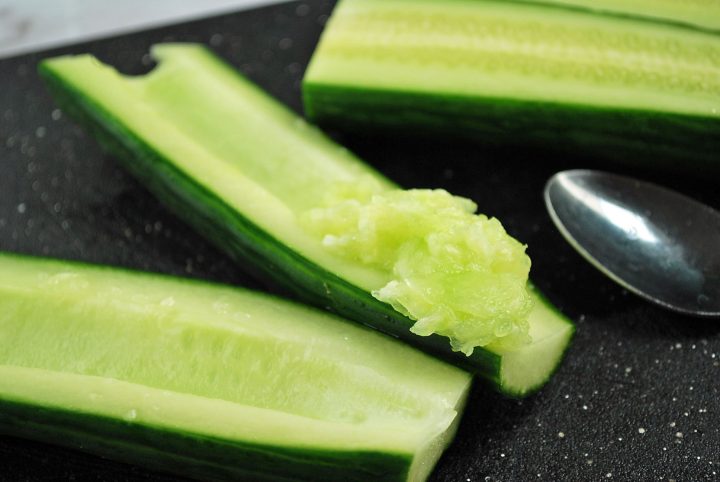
point(659, 138)
point(249, 244)
point(609, 127)
point(704, 18)
point(191, 454)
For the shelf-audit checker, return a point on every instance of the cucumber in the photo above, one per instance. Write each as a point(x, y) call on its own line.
point(242, 169)
point(213, 382)
point(595, 80)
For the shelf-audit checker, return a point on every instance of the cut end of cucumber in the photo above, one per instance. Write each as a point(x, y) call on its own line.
point(456, 273)
point(525, 369)
point(427, 457)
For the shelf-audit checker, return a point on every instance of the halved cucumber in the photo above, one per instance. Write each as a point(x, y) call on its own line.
point(242, 169)
point(534, 73)
point(212, 381)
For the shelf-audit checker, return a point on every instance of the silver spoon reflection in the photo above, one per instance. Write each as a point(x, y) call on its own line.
point(655, 242)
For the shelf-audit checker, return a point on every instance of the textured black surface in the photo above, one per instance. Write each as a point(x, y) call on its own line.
point(637, 396)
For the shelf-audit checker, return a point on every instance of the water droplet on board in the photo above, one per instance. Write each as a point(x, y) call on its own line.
point(285, 43)
point(294, 68)
point(302, 10)
point(216, 40)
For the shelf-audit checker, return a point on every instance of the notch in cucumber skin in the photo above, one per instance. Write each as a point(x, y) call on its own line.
point(211, 381)
point(242, 169)
point(602, 85)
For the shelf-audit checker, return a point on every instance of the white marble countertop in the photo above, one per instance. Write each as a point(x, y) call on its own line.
point(29, 25)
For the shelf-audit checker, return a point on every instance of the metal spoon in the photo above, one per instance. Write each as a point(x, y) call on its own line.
point(655, 242)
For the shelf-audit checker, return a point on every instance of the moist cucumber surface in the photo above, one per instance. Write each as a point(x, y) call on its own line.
point(213, 381)
point(245, 172)
point(533, 73)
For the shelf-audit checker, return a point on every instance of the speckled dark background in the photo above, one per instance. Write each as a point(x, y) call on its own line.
point(636, 399)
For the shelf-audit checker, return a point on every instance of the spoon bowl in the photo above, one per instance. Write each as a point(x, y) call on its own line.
point(655, 242)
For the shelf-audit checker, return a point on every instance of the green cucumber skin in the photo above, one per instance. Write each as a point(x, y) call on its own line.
point(623, 136)
point(653, 17)
point(250, 246)
point(208, 459)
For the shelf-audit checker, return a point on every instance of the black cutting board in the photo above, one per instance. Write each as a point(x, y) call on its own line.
point(636, 398)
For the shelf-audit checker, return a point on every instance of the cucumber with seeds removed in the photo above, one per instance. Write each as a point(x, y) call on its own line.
point(632, 82)
point(213, 382)
point(279, 197)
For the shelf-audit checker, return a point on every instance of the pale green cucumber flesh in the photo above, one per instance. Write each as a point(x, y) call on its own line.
point(231, 381)
point(239, 195)
point(515, 72)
